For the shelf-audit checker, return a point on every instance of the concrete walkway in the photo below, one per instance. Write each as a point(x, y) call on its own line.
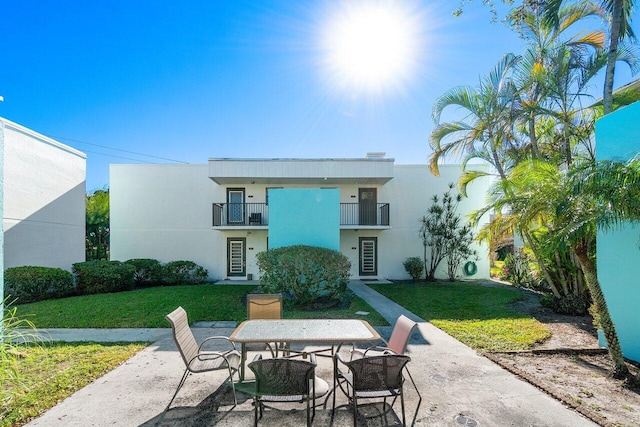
point(458, 386)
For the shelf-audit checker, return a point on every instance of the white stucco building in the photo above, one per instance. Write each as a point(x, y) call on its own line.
point(217, 214)
point(43, 199)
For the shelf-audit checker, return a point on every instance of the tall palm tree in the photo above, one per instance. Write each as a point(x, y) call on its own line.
point(620, 14)
point(487, 127)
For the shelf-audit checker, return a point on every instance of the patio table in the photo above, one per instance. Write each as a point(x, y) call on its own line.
point(333, 332)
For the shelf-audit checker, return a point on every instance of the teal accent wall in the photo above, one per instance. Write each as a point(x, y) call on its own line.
point(618, 251)
point(304, 217)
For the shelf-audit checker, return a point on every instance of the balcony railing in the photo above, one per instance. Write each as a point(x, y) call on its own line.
point(240, 214)
point(257, 214)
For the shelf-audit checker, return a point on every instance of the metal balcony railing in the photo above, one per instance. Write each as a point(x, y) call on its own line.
point(257, 214)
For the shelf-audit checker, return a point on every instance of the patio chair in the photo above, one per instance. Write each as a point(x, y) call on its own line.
point(195, 358)
point(265, 306)
point(397, 343)
point(371, 377)
point(286, 379)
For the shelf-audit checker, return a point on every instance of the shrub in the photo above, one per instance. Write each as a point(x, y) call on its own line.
point(516, 269)
point(28, 284)
point(305, 274)
point(95, 277)
point(149, 272)
point(414, 267)
point(179, 272)
point(574, 305)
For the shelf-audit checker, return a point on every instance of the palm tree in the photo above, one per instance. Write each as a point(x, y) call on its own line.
point(487, 128)
point(591, 195)
point(620, 13)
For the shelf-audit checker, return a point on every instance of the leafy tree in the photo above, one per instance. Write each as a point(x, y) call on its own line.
point(443, 234)
point(97, 232)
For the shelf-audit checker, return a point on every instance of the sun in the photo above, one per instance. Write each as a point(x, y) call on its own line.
point(371, 45)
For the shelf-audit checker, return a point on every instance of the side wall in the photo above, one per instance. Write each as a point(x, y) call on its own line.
point(618, 138)
point(44, 200)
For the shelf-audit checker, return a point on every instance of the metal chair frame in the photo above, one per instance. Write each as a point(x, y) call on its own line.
point(195, 358)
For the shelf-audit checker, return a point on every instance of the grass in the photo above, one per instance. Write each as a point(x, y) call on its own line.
point(51, 372)
point(146, 308)
point(477, 315)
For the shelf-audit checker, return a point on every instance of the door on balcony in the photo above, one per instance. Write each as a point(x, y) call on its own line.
point(367, 202)
point(368, 256)
point(235, 205)
point(236, 256)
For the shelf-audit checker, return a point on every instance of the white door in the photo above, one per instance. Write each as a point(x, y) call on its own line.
point(235, 207)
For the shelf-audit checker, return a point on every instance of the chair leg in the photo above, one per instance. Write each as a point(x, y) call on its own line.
point(354, 402)
point(182, 381)
point(233, 386)
point(404, 421)
point(308, 412)
point(255, 411)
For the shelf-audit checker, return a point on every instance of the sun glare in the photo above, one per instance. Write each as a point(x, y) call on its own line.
point(371, 45)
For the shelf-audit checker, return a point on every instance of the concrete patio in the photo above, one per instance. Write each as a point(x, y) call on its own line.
point(458, 387)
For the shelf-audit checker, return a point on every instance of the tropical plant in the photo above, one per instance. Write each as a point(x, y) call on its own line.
point(97, 232)
point(14, 333)
point(443, 234)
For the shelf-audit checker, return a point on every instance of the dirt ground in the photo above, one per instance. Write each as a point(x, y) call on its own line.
point(572, 368)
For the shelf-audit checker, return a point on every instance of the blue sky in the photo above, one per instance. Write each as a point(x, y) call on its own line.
point(194, 80)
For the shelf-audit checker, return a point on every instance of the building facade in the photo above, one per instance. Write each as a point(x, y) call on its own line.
point(43, 200)
point(221, 214)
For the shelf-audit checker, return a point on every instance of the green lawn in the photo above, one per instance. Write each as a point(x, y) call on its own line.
point(146, 308)
point(479, 316)
point(50, 373)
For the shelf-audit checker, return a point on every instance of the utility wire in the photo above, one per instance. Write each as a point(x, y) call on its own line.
point(117, 149)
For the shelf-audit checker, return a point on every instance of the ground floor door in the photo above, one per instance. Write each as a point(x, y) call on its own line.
point(368, 256)
point(236, 256)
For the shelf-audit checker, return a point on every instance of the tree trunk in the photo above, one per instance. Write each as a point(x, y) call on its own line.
point(614, 38)
point(620, 370)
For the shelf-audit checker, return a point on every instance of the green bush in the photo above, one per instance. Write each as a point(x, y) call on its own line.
point(149, 272)
point(414, 267)
point(574, 305)
point(97, 277)
point(28, 284)
point(184, 272)
point(307, 275)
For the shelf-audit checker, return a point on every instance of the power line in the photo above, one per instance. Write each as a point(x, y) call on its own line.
point(118, 149)
point(119, 157)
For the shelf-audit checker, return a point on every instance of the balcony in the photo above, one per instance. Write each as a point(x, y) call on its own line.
point(256, 215)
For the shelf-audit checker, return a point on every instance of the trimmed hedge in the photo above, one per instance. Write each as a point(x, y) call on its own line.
point(305, 274)
point(149, 272)
point(181, 272)
point(96, 277)
point(29, 283)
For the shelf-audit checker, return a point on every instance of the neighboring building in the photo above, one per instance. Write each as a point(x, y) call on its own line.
point(44, 200)
point(221, 214)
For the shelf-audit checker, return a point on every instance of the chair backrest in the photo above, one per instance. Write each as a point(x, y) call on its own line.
point(283, 376)
point(182, 334)
point(401, 334)
point(264, 306)
point(378, 373)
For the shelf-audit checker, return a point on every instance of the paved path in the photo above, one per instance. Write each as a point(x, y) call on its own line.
point(457, 386)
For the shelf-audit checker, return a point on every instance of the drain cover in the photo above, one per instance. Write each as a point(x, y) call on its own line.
point(438, 378)
point(465, 420)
